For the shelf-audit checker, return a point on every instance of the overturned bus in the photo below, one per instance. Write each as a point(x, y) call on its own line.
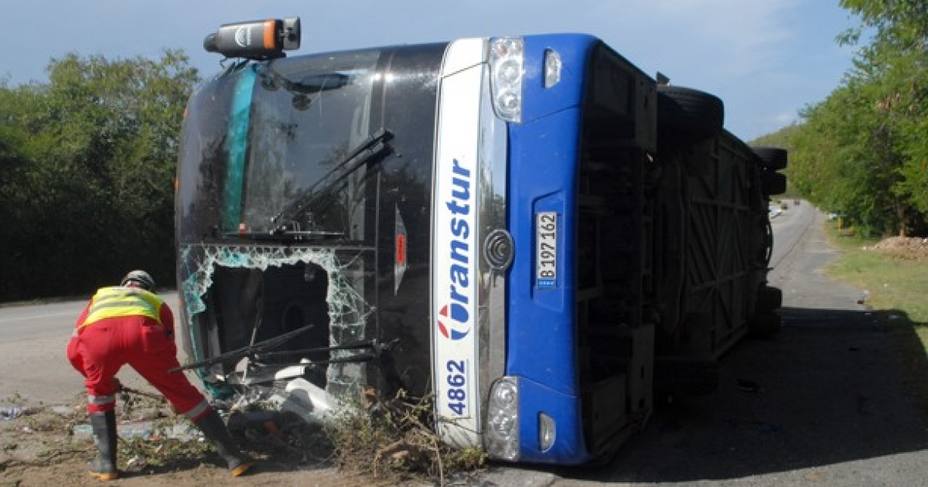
point(529, 228)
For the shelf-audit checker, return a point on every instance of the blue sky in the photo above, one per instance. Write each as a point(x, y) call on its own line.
point(765, 58)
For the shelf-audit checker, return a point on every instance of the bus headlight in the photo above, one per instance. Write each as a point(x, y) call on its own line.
point(502, 437)
point(506, 70)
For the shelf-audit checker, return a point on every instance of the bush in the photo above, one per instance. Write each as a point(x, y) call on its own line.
point(87, 163)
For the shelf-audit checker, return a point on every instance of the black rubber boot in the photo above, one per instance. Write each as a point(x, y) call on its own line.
point(104, 437)
point(215, 431)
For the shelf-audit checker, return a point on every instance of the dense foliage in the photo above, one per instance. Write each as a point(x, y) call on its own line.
point(87, 164)
point(863, 151)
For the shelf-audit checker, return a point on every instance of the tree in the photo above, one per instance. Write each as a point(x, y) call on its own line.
point(895, 67)
point(87, 177)
point(862, 151)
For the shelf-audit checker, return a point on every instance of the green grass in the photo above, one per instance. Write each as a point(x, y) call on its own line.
point(893, 283)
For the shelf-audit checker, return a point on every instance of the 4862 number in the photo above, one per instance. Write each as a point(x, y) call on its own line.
point(457, 392)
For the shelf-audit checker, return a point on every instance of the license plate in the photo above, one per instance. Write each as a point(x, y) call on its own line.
point(546, 249)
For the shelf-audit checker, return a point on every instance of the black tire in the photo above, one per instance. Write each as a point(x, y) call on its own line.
point(772, 158)
point(774, 183)
point(768, 299)
point(765, 325)
point(689, 113)
point(768, 242)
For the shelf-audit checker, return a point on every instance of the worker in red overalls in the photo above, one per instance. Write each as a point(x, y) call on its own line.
point(129, 324)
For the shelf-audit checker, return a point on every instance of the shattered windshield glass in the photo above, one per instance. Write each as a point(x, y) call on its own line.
point(257, 139)
point(339, 148)
point(344, 305)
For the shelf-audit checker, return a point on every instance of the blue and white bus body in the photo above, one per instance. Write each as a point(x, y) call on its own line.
point(492, 218)
point(508, 332)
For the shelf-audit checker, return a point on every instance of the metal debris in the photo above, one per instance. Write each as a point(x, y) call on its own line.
point(10, 413)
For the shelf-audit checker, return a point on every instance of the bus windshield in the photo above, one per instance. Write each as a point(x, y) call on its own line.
point(307, 114)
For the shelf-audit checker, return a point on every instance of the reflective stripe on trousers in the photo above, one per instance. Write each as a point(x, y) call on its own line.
point(100, 400)
point(197, 410)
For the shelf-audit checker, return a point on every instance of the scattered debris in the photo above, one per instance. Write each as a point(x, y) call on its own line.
point(394, 439)
point(62, 410)
point(281, 437)
point(10, 413)
point(140, 454)
point(143, 430)
point(286, 424)
point(310, 402)
point(911, 248)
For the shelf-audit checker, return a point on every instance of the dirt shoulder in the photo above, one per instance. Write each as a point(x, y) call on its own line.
point(382, 442)
point(50, 445)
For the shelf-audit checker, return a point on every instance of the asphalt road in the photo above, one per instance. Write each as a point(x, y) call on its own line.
point(835, 402)
point(33, 338)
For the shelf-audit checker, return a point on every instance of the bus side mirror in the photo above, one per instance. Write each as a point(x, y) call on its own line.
point(256, 39)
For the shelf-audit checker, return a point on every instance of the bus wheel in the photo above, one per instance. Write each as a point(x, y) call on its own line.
point(689, 113)
point(765, 325)
point(771, 158)
point(768, 241)
point(774, 183)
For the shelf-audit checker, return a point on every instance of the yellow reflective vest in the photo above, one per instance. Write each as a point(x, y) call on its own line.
point(118, 301)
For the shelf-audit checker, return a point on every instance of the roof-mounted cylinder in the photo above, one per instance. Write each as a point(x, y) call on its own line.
point(255, 39)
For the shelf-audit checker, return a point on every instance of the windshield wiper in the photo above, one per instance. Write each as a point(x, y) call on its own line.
point(371, 350)
point(375, 346)
point(250, 350)
point(373, 147)
point(288, 233)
